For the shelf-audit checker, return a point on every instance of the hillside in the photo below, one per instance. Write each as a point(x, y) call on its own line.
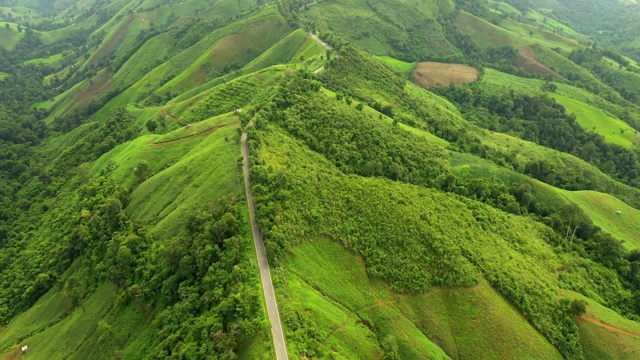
point(443, 179)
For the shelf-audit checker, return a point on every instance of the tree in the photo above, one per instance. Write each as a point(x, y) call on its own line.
point(124, 262)
point(577, 307)
point(151, 126)
point(394, 170)
point(7, 26)
point(390, 348)
point(19, 28)
point(142, 171)
point(72, 292)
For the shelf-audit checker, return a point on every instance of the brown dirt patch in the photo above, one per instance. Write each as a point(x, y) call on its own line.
point(94, 90)
point(113, 42)
point(429, 74)
point(13, 354)
point(528, 61)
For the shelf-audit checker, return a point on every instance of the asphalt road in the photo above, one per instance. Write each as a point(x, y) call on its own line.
point(265, 274)
point(324, 44)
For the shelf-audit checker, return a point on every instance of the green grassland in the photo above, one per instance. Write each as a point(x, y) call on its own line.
point(564, 162)
point(485, 34)
point(121, 37)
point(623, 80)
point(570, 70)
point(368, 264)
point(466, 320)
point(399, 66)
point(594, 119)
point(143, 60)
point(440, 116)
point(510, 32)
point(284, 51)
point(9, 37)
point(123, 31)
point(504, 7)
point(457, 323)
point(527, 151)
point(17, 11)
point(183, 176)
point(60, 102)
point(381, 26)
point(375, 114)
point(600, 342)
point(226, 8)
point(419, 201)
point(235, 49)
point(197, 128)
point(48, 60)
point(554, 25)
point(238, 93)
point(541, 36)
point(309, 49)
point(602, 209)
point(182, 73)
point(95, 330)
point(497, 82)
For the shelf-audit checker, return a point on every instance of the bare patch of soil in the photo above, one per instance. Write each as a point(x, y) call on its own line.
point(528, 61)
point(13, 354)
point(428, 74)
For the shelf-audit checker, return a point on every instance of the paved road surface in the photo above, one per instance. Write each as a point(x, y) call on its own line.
point(324, 44)
point(265, 275)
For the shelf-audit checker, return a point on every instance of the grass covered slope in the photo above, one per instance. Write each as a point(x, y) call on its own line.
point(603, 208)
point(402, 29)
point(231, 52)
point(464, 323)
point(178, 188)
point(96, 330)
point(400, 223)
point(593, 119)
point(604, 333)
point(471, 252)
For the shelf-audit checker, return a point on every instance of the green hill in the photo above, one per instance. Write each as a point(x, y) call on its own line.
point(497, 219)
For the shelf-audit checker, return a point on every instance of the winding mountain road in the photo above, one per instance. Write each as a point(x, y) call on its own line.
point(265, 274)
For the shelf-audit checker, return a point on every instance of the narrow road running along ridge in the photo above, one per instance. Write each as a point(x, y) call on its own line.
point(324, 44)
point(265, 274)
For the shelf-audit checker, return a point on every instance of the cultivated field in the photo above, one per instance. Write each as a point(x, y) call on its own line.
point(440, 74)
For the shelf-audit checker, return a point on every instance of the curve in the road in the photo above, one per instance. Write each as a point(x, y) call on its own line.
point(265, 274)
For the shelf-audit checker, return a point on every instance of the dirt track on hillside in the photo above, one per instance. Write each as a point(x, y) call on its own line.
point(593, 320)
point(208, 131)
